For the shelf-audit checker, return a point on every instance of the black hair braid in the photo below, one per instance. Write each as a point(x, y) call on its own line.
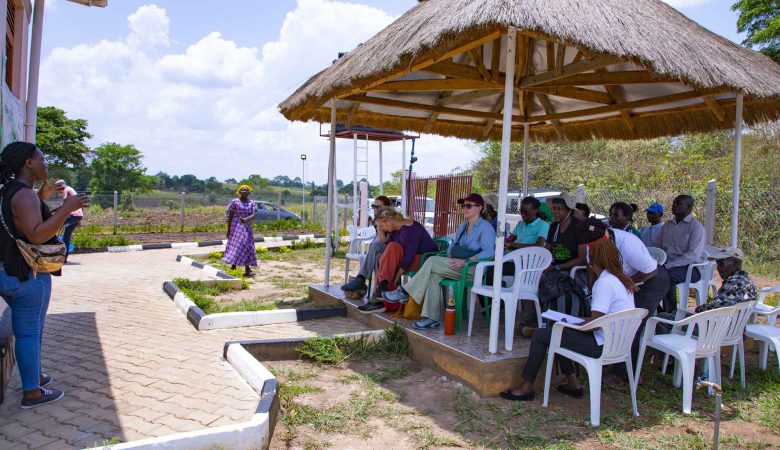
point(13, 158)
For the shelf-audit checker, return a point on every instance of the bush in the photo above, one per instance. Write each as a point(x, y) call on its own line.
point(90, 240)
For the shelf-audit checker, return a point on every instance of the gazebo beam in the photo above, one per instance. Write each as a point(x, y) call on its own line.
point(586, 95)
point(476, 57)
point(491, 123)
point(571, 69)
point(548, 108)
point(467, 97)
point(609, 78)
point(560, 58)
point(616, 94)
point(352, 111)
point(715, 108)
point(457, 70)
point(617, 107)
point(427, 62)
point(449, 84)
point(424, 107)
point(495, 60)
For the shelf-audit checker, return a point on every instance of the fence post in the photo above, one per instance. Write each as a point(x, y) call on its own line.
point(116, 207)
point(181, 214)
point(579, 194)
point(709, 211)
point(314, 208)
point(278, 206)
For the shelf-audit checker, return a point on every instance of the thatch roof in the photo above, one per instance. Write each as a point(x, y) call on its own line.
point(585, 68)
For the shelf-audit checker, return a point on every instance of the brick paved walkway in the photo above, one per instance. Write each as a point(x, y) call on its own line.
point(130, 364)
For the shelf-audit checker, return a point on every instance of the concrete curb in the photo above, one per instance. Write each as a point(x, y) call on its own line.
point(251, 435)
point(202, 321)
point(157, 246)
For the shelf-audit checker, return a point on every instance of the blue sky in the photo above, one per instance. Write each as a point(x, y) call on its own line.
point(194, 83)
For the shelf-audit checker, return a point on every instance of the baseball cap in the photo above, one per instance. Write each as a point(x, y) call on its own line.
point(655, 208)
point(473, 198)
point(728, 252)
point(571, 203)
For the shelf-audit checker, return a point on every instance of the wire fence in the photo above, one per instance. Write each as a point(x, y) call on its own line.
point(168, 211)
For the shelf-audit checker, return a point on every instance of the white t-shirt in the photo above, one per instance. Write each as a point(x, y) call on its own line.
point(609, 296)
point(636, 258)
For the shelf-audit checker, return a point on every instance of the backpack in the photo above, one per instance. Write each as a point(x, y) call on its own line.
point(559, 292)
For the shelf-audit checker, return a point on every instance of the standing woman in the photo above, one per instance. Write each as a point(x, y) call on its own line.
point(240, 249)
point(28, 218)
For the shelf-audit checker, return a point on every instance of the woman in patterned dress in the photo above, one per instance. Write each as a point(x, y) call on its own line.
point(240, 249)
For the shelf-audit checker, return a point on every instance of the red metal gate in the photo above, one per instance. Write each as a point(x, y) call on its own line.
point(447, 214)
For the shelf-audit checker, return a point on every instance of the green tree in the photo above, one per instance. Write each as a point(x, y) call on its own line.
point(760, 19)
point(63, 140)
point(256, 181)
point(119, 168)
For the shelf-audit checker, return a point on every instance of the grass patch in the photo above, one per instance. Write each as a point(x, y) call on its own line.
point(763, 268)
point(202, 294)
point(330, 351)
point(87, 239)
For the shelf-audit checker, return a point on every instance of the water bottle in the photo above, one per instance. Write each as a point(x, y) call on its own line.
point(449, 314)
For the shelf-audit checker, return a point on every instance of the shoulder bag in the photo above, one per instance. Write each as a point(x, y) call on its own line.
point(44, 258)
point(461, 252)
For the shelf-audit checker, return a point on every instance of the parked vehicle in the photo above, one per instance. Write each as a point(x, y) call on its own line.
point(267, 211)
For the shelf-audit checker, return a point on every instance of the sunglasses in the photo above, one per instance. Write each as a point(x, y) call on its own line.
point(469, 206)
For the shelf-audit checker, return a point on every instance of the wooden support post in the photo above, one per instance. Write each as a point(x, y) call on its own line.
point(709, 211)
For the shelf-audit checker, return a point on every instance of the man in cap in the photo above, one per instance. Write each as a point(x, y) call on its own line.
point(651, 234)
point(737, 286)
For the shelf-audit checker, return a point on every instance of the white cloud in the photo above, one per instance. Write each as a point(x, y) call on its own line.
point(212, 110)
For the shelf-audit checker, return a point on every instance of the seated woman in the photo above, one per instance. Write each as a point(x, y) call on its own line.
point(408, 241)
point(613, 292)
point(566, 240)
point(372, 255)
point(474, 239)
point(621, 215)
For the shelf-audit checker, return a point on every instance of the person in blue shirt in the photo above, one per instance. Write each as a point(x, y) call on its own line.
point(651, 234)
point(532, 230)
point(474, 239)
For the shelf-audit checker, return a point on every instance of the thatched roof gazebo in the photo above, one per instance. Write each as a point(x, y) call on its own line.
point(561, 69)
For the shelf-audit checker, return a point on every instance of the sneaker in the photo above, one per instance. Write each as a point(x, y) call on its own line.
point(378, 296)
point(357, 284)
point(396, 296)
point(45, 380)
point(49, 396)
point(372, 307)
point(426, 324)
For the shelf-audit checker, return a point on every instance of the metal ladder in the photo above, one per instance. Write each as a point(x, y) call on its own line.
point(360, 172)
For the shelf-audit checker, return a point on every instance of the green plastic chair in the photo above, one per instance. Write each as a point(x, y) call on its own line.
point(459, 288)
point(443, 244)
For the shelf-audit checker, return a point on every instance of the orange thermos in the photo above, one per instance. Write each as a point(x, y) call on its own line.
point(449, 314)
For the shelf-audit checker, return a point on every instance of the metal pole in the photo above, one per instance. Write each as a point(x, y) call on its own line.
point(403, 176)
point(506, 142)
point(278, 206)
point(735, 178)
point(31, 111)
point(381, 178)
point(355, 205)
point(181, 216)
point(526, 134)
point(116, 207)
point(331, 169)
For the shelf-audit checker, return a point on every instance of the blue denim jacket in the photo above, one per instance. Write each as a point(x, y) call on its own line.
point(482, 236)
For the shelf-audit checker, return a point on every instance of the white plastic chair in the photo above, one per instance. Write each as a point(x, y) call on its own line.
point(711, 327)
point(619, 330)
point(658, 255)
point(530, 262)
point(734, 337)
point(768, 336)
point(702, 287)
point(359, 241)
point(762, 308)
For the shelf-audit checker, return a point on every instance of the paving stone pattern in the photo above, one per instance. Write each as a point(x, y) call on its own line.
point(131, 365)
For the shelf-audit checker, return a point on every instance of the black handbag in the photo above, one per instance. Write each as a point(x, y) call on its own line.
point(460, 252)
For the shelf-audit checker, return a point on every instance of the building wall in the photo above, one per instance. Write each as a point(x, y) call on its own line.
point(12, 97)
